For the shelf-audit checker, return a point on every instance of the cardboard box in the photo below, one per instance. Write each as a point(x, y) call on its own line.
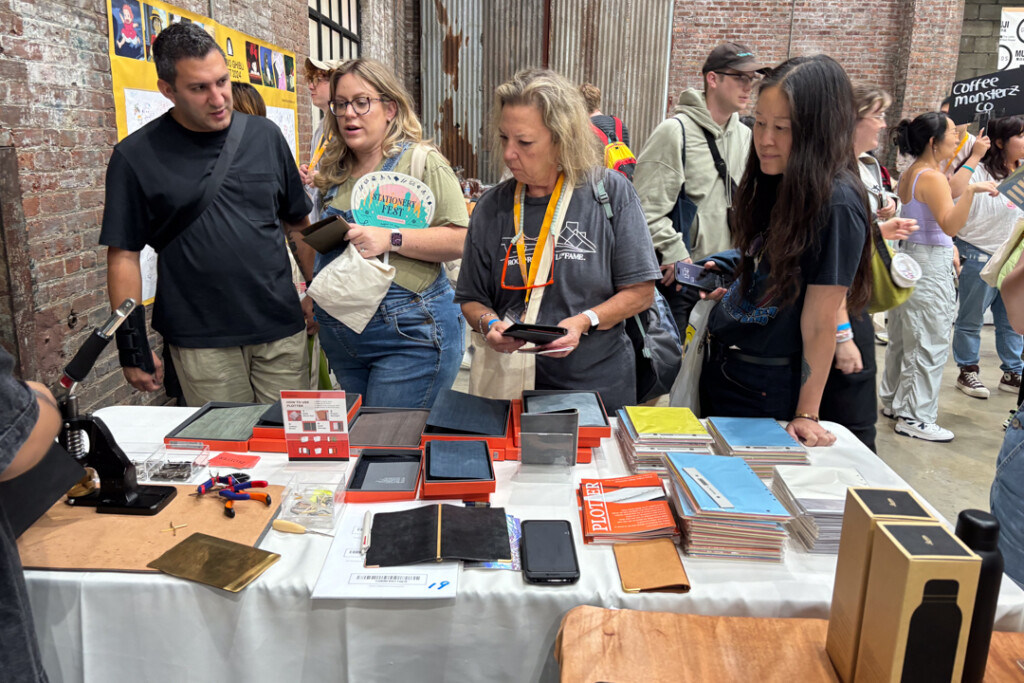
point(382, 475)
point(865, 508)
point(462, 489)
point(918, 607)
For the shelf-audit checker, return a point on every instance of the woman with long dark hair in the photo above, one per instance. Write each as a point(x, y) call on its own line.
point(801, 224)
point(919, 330)
point(989, 224)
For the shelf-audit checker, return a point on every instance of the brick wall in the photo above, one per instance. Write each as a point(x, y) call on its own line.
point(904, 46)
point(57, 112)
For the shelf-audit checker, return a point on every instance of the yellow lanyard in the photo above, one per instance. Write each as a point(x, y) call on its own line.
point(959, 147)
point(324, 140)
point(542, 238)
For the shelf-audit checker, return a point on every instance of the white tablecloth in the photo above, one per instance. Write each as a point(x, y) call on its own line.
point(109, 626)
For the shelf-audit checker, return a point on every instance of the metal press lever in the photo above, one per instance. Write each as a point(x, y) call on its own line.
point(83, 361)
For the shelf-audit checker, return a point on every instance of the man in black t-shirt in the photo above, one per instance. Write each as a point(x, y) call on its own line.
point(29, 421)
point(225, 302)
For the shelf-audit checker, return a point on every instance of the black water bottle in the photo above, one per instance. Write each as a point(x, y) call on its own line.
point(980, 532)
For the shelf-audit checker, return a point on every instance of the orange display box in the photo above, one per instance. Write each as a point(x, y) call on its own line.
point(263, 434)
point(456, 488)
point(381, 476)
point(359, 447)
point(172, 438)
point(497, 443)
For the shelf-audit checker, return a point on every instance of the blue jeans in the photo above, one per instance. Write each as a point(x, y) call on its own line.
point(410, 350)
point(976, 297)
point(1007, 498)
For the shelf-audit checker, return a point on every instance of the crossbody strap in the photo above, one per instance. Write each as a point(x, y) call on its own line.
point(180, 222)
point(723, 170)
point(606, 203)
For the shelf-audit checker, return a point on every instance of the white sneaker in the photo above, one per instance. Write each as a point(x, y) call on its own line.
point(888, 412)
point(929, 431)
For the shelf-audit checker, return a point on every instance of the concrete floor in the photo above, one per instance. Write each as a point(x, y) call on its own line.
point(952, 476)
point(957, 475)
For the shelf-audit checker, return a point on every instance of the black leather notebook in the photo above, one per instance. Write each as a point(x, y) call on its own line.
point(438, 532)
point(457, 413)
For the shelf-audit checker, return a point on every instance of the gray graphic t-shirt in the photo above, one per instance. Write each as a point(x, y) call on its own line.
point(592, 259)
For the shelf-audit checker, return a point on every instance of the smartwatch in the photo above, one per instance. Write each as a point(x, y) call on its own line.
point(594, 320)
point(396, 239)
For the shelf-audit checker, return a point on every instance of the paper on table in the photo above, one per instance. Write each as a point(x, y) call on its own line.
point(344, 577)
point(235, 460)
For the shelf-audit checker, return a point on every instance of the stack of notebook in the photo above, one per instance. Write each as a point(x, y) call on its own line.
point(760, 441)
point(815, 496)
point(645, 434)
point(727, 512)
point(631, 508)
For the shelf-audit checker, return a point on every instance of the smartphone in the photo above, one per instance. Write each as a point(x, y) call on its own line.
point(548, 552)
point(537, 334)
point(983, 119)
point(698, 276)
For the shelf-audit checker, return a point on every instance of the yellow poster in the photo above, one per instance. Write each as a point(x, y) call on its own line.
point(133, 27)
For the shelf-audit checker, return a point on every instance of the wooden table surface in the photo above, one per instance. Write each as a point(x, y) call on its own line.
point(622, 646)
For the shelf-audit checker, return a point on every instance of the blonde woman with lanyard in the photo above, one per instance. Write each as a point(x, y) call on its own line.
point(412, 345)
point(541, 247)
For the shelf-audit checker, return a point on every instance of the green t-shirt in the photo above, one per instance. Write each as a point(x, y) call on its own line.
point(449, 209)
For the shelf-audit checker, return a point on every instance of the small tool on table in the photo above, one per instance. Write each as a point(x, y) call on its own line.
point(233, 493)
point(295, 528)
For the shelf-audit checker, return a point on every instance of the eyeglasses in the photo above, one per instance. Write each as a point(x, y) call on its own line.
point(318, 79)
point(360, 105)
point(745, 79)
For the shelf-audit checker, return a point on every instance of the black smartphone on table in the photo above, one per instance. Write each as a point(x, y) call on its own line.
point(548, 552)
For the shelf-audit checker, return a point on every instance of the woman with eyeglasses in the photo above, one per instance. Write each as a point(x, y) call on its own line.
point(412, 346)
point(919, 330)
point(547, 233)
point(801, 225)
point(850, 395)
point(989, 224)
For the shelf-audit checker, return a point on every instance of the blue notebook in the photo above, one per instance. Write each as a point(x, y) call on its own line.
point(754, 433)
point(742, 493)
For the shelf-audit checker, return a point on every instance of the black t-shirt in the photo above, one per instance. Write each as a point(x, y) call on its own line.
point(760, 327)
point(607, 125)
point(226, 280)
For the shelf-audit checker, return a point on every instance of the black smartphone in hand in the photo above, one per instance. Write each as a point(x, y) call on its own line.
point(548, 552)
point(536, 334)
point(699, 276)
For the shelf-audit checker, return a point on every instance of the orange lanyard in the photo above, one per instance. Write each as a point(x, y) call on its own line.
point(542, 239)
point(324, 140)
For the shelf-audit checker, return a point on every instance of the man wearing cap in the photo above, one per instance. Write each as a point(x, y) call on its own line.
point(318, 78)
point(707, 118)
point(208, 189)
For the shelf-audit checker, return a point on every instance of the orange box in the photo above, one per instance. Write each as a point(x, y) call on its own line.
point(497, 443)
point(475, 498)
point(357, 490)
point(215, 444)
point(263, 445)
point(589, 437)
point(452, 488)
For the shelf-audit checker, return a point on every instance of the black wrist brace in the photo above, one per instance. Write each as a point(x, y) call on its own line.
point(132, 344)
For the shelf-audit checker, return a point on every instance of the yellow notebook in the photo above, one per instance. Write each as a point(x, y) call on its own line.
point(650, 421)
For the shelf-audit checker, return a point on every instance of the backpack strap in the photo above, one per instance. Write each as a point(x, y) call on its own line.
point(602, 196)
point(180, 222)
point(723, 170)
point(600, 133)
point(419, 161)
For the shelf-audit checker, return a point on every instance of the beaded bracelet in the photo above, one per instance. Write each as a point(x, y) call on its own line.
point(844, 337)
point(480, 322)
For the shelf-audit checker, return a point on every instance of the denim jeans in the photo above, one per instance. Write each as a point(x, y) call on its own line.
point(408, 352)
point(976, 297)
point(735, 388)
point(1007, 498)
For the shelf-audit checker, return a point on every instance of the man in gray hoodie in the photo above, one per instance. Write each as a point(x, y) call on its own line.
point(713, 115)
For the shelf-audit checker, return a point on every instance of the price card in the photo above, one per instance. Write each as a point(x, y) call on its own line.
point(235, 461)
